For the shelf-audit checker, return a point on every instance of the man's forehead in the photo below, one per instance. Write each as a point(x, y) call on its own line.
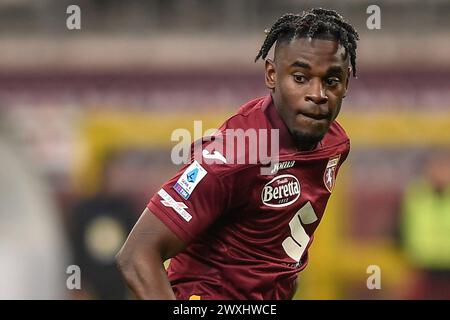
point(311, 50)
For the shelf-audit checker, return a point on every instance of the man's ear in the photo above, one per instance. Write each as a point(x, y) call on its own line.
point(270, 74)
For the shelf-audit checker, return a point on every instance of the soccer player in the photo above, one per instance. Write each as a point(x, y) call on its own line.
point(232, 231)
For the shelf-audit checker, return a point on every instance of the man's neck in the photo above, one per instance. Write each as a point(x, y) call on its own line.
point(306, 146)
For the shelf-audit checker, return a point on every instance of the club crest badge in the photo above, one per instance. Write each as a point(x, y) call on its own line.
point(329, 176)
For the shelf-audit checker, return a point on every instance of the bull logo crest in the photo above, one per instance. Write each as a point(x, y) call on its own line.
point(329, 176)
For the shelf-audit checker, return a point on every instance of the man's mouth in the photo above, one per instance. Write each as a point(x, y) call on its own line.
point(315, 116)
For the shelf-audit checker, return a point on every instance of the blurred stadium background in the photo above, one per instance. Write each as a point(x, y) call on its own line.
point(86, 117)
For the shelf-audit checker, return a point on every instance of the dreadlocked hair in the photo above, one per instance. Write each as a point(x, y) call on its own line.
point(310, 24)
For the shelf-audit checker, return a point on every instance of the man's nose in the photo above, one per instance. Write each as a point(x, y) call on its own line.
point(316, 92)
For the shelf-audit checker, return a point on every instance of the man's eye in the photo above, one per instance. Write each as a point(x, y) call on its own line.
point(299, 78)
point(332, 81)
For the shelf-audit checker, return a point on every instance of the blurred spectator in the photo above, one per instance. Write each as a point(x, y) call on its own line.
point(33, 250)
point(100, 225)
point(425, 228)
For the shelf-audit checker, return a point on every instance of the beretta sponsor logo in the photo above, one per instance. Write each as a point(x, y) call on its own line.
point(281, 191)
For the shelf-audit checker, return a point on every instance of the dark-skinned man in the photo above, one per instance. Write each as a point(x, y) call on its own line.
point(233, 232)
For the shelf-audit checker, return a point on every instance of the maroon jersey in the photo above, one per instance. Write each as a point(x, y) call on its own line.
point(248, 233)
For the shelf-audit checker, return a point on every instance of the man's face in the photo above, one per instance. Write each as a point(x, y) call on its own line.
point(308, 79)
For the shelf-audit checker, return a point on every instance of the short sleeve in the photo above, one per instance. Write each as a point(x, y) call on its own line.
point(191, 201)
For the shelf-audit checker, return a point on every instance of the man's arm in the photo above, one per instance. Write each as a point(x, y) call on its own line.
point(141, 258)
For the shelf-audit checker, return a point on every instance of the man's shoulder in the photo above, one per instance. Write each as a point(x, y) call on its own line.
point(336, 135)
point(232, 148)
point(249, 115)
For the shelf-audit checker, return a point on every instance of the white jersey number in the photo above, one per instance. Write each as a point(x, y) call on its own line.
point(296, 244)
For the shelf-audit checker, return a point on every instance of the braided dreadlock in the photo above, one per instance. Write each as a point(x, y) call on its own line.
point(310, 24)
